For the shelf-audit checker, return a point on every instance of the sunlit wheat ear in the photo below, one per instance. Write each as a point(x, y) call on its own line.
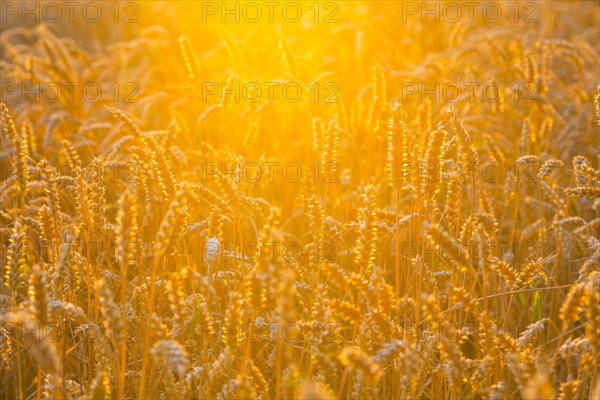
point(489, 223)
point(71, 154)
point(14, 268)
point(528, 159)
point(526, 136)
point(466, 230)
point(317, 131)
point(316, 217)
point(256, 383)
point(591, 265)
point(177, 303)
point(533, 275)
point(597, 106)
point(365, 246)
point(593, 174)
point(378, 102)
point(568, 224)
point(162, 167)
point(545, 129)
point(451, 355)
point(140, 179)
point(129, 123)
point(6, 349)
point(580, 165)
point(508, 273)
point(255, 289)
point(233, 321)
point(288, 57)
point(52, 387)
point(271, 223)
point(29, 139)
point(325, 147)
point(433, 157)
point(540, 386)
point(568, 390)
point(345, 310)
point(57, 51)
point(315, 390)
point(91, 200)
point(64, 277)
point(584, 191)
point(548, 168)
point(100, 387)
point(519, 360)
point(397, 151)
point(8, 126)
point(592, 329)
point(43, 352)
point(576, 52)
point(530, 66)
point(173, 354)
point(50, 177)
point(206, 321)
point(361, 361)
point(17, 150)
point(171, 225)
point(454, 188)
point(329, 150)
point(438, 236)
point(215, 223)
point(109, 308)
point(129, 245)
point(9, 189)
point(485, 205)
point(189, 57)
point(38, 294)
point(574, 303)
point(158, 327)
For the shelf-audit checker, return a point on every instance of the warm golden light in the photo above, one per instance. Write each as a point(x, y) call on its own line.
point(299, 200)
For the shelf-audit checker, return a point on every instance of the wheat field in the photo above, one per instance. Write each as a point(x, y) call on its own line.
point(300, 200)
